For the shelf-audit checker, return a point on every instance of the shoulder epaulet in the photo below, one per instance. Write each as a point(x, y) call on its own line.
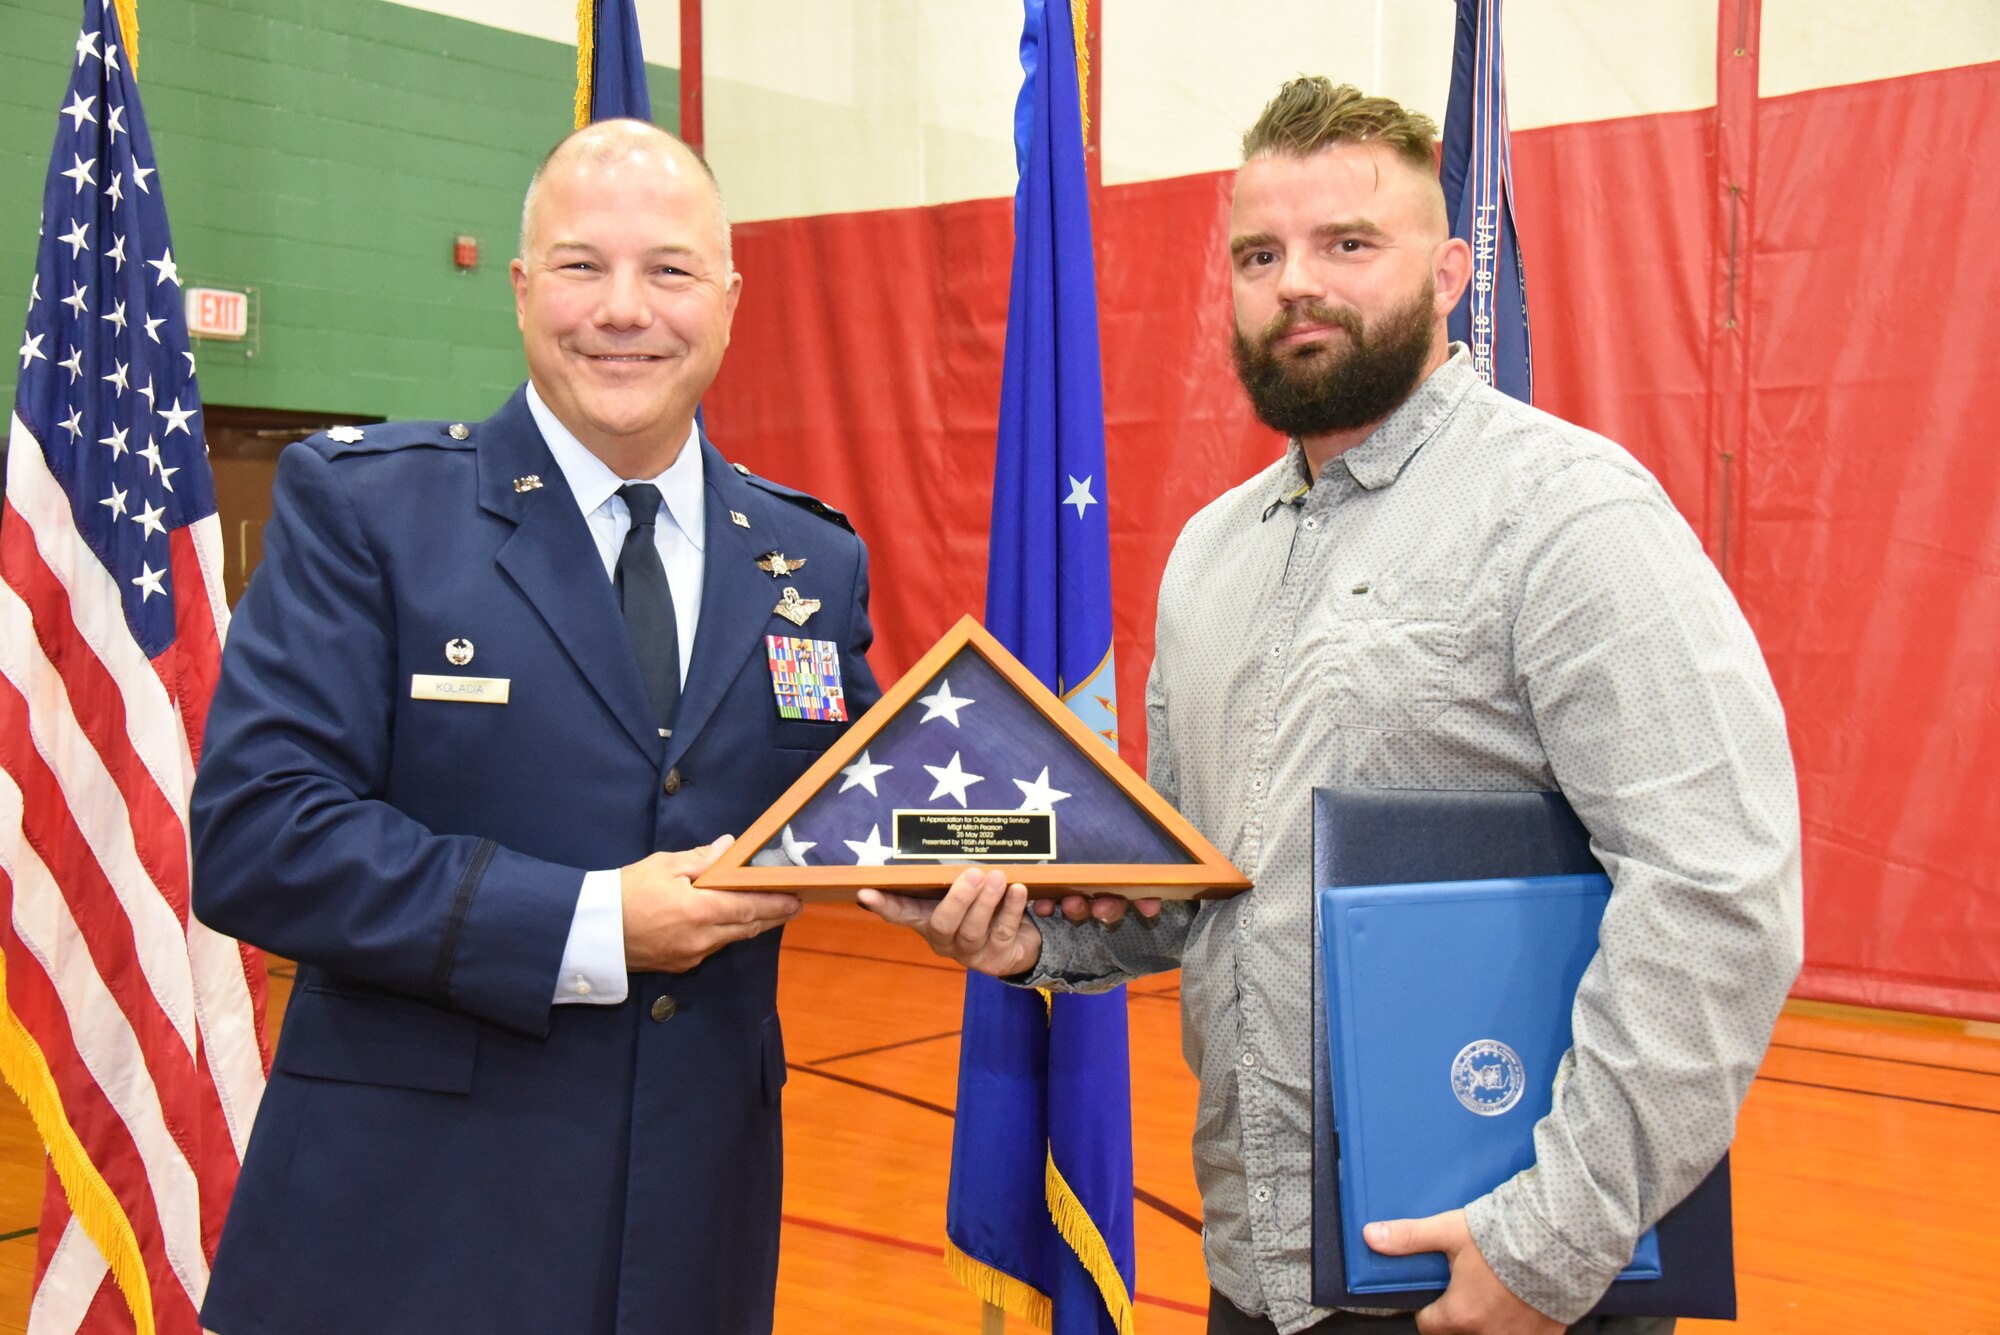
point(381, 437)
point(798, 498)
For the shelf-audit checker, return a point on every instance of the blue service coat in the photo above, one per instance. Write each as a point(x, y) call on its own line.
point(440, 1147)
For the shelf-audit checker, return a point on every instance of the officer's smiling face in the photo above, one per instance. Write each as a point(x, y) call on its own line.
point(625, 294)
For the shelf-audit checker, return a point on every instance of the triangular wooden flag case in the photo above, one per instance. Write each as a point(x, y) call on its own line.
point(1038, 768)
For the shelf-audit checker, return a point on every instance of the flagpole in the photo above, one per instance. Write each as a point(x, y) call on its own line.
point(992, 1319)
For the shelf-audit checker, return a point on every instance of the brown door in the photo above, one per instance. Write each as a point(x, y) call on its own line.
point(243, 448)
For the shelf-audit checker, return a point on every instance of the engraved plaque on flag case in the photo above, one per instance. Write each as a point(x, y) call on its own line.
point(970, 759)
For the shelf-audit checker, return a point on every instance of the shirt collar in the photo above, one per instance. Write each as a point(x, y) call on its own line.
point(593, 483)
point(1379, 460)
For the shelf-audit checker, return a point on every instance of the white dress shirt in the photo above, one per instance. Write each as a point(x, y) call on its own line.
point(593, 963)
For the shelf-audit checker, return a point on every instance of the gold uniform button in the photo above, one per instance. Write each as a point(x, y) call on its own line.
point(672, 783)
point(664, 1010)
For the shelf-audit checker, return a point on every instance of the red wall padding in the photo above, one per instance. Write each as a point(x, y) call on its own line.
point(866, 369)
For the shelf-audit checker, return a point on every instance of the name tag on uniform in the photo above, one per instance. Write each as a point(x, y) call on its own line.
point(805, 676)
point(468, 690)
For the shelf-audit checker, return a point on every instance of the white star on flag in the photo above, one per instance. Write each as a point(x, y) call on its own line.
point(1039, 795)
point(116, 317)
point(871, 852)
point(79, 110)
point(81, 173)
point(116, 126)
point(148, 519)
point(77, 301)
point(116, 440)
point(942, 704)
point(149, 582)
point(139, 175)
point(1079, 496)
point(116, 190)
point(862, 774)
point(117, 257)
point(117, 377)
point(795, 847)
point(86, 47)
point(176, 418)
point(116, 502)
point(151, 454)
point(77, 238)
point(72, 363)
point(74, 423)
point(952, 781)
point(169, 272)
point(31, 350)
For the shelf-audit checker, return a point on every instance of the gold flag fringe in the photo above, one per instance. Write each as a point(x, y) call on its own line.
point(128, 24)
point(586, 44)
point(91, 1200)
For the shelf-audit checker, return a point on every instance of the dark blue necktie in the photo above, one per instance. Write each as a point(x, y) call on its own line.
point(648, 605)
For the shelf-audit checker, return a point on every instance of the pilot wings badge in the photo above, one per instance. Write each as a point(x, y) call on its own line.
point(777, 566)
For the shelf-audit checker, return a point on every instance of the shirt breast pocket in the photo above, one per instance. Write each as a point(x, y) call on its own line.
point(1391, 652)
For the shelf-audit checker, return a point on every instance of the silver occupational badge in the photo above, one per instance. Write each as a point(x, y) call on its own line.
point(1487, 1076)
point(458, 652)
point(795, 609)
point(532, 482)
point(777, 565)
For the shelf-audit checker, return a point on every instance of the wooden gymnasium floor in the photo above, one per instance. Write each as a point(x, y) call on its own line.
point(1867, 1163)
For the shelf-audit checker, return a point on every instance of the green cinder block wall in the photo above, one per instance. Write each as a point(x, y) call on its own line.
point(325, 155)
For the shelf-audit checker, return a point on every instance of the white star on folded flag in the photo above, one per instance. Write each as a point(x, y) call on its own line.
point(941, 703)
point(137, 1030)
point(952, 781)
point(796, 848)
point(862, 774)
point(1039, 795)
point(871, 852)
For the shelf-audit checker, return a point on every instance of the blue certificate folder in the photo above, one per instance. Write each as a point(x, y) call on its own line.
point(1448, 1012)
point(1380, 836)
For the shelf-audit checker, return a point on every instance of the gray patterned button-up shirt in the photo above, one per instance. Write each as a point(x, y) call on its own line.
point(1477, 596)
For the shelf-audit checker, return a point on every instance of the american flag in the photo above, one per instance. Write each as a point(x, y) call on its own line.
point(133, 1034)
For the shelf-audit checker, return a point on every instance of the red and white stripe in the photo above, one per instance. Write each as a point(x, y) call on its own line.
point(150, 1024)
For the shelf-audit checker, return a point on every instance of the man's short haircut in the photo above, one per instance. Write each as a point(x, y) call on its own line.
point(1311, 112)
point(613, 138)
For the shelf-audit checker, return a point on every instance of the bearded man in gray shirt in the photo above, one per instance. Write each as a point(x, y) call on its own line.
point(1435, 587)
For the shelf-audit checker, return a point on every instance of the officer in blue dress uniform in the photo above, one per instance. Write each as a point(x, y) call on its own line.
point(529, 1078)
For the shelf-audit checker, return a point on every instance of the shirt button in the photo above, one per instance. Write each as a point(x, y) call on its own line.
point(664, 1009)
point(1249, 1059)
point(583, 987)
point(1257, 784)
point(672, 783)
point(1312, 523)
point(1276, 650)
point(1263, 1194)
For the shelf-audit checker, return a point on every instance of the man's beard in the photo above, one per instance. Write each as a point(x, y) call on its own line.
point(1317, 389)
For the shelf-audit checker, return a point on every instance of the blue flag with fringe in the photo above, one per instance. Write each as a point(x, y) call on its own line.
point(1477, 170)
point(610, 66)
point(1040, 1214)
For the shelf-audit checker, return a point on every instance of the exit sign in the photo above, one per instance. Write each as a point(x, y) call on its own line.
point(218, 312)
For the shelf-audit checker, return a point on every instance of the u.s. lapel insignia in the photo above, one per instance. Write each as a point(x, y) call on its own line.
point(795, 609)
point(532, 482)
point(777, 566)
point(458, 652)
point(738, 518)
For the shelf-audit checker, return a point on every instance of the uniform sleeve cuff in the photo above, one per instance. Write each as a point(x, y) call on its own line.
point(593, 962)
